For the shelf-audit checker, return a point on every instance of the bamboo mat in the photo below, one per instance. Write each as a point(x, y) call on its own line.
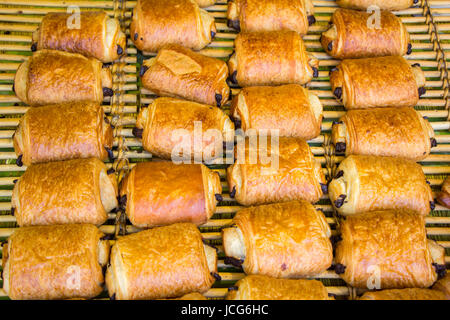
point(427, 23)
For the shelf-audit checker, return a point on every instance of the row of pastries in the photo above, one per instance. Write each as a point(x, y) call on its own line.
point(67, 190)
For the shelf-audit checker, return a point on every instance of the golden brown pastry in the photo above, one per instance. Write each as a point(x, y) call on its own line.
point(289, 172)
point(292, 109)
point(97, 35)
point(62, 192)
point(382, 4)
point(270, 15)
point(443, 285)
point(51, 76)
point(63, 132)
point(352, 35)
point(369, 183)
point(162, 193)
point(265, 288)
point(160, 263)
point(281, 240)
point(271, 58)
point(156, 23)
point(179, 72)
point(396, 132)
point(54, 262)
point(192, 296)
point(404, 294)
point(444, 196)
point(179, 129)
point(377, 82)
point(387, 249)
point(205, 3)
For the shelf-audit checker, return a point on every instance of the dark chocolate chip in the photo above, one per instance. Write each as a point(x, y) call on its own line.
point(339, 174)
point(15, 180)
point(213, 34)
point(110, 171)
point(425, 117)
point(339, 268)
point(422, 91)
point(330, 46)
point(137, 132)
point(433, 142)
point(119, 50)
point(108, 92)
point(335, 239)
point(12, 211)
point(113, 297)
point(409, 49)
point(110, 153)
point(232, 78)
point(235, 24)
point(136, 36)
point(311, 20)
point(338, 92)
point(33, 46)
point(143, 70)
point(106, 119)
point(415, 65)
point(107, 64)
point(218, 99)
point(233, 261)
point(340, 146)
point(315, 72)
point(416, 1)
point(218, 197)
point(337, 122)
point(19, 161)
point(233, 192)
point(123, 200)
point(233, 288)
point(428, 182)
point(432, 205)
point(108, 237)
point(340, 201)
point(440, 270)
point(237, 123)
point(324, 187)
point(332, 295)
point(216, 276)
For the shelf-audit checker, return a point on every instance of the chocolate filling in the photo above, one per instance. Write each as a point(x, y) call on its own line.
point(119, 50)
point(324, 187)
point(339, 268)
point(338, 92)
point(143, 70)
point(339, 174)
point(235, 24)
point(311, 20)
point(233, 192)
point(137, 132)
point(218, 197)
point(340, 146)
point(340, 201)
point(107, 92)
point(19, 161)
point(233, 261)
point(218, 99)
point(409, 49)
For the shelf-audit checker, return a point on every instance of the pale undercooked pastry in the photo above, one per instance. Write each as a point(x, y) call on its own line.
point(161, 193)
point(257, 287)
point(156, 23)
point(180, 72)
point(396, 132)
point(368, 183)
point(388, 250)
point(271, 58)
point(51, 76)
point(291, 109)
point(270, 15)
point(284, 170)
point(62, 192)
point(356, 34)
point(62, 132)
point(91, 33)
point(377, 82)
point(54, 262)
point(178, 129)
point(160, 263)
point(281, 240)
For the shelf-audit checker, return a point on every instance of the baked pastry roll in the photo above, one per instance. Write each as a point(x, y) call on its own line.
point(369, 183)
point(396, 132)
point(292, 109)
point(192, 296)
point(281, 240)
point(179, 72)
point(54, 262)
point(271, 58)
point(62, 192)
point(162, 193)
point(290, 173)
point(377, 82)
point(156, 23)
point(98, 36)
point(351, 35)
point(51, 76)
point(160, 263)
point(443, 285)
point(63, 132)
point(444, 196)
point(171, 128)
point(258, 287)
point(205, 3)
point(404, 294)
point(382, 4)
point(270, 15)
point(388, 250)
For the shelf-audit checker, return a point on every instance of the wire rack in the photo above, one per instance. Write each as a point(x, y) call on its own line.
point(428, 24)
